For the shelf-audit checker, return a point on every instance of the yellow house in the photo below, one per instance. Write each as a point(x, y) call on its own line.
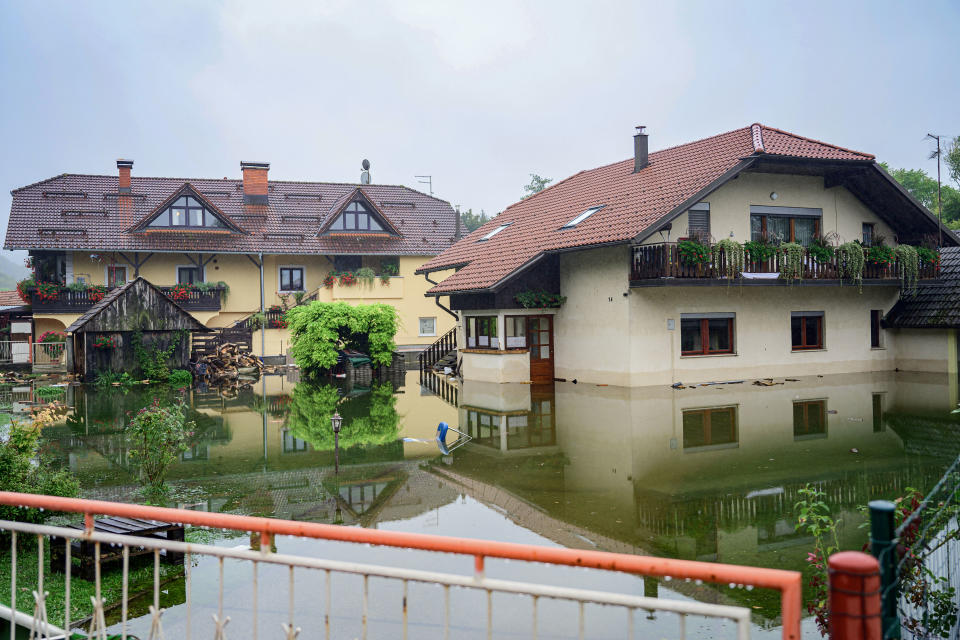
point(753, 253)
point(227, 249)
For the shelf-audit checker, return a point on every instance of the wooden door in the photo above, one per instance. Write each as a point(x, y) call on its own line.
point(540, 341)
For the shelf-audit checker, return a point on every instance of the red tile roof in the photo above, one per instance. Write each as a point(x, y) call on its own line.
point(10, 299)
point(633, 203)
point(72, 211)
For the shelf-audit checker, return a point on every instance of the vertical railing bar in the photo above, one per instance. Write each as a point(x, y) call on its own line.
point(489, 614)
point(630, 615)
point(292, 596)
point(186, 564)
point(125, 591)
point(446, 612)
point(326, 619)
point(96, 573)
point(580, 621)
point(366, 582)
point(220, 593)
point(156, 579)
point(13, 580)
point(46, 623)
point(256, 604)
point(67, 570)
point(404, 610)
point(683, 626)
point(535, 599)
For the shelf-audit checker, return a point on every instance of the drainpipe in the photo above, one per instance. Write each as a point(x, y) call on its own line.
point(263, 322)
point(437, 298)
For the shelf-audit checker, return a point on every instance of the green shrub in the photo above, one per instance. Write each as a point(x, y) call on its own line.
point(156, 436)
point(693, 252)
point(110, 378)
point(759, 250)
point(18, 472)
point(50, 392)
point(154, 361)
point(180, 378)
point(319, 329)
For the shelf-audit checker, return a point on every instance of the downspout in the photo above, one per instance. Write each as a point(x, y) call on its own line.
point(437, 298)
point(263, 321)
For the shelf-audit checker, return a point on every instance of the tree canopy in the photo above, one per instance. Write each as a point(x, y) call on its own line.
point(924, 188)
point(536, 185)
point(472, 221)
point(368, 419)
point(319, 329)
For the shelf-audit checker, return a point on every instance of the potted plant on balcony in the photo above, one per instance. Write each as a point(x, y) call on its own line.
point(694, 253)
point(23, 288)
point(180, 292)
point(793, 263)
point(929, 257)
point(48, 291)
point(96, 292)
point(759, 252)
point(347, 279)
point(329, 281)
point(388, 271)
point(850, 260)
point(733, 257)
point(908, 262)
point(531, 299)
point(821, 249)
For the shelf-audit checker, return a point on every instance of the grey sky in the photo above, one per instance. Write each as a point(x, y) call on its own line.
point(477, 94)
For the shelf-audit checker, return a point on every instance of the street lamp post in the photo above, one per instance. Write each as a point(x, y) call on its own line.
point(335, 422)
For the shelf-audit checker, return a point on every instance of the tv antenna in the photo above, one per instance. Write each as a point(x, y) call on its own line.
point(427, 180)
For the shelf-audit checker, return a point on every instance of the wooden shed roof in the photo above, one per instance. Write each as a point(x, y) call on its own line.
point(136, 305)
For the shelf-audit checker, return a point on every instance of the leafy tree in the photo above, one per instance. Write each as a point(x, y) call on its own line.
point(319, 329)
point(18, 472)
point(952, 158)
point(472, 221)
point(537, 184)
point(369, 419)
point(924, 189)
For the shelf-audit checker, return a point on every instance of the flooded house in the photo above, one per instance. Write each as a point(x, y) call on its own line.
point(752, 253)
point(233, 251)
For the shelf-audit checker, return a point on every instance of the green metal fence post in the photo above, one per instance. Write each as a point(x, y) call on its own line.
point(884, 549)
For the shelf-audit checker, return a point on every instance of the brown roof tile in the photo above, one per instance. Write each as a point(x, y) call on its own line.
point(633, 202)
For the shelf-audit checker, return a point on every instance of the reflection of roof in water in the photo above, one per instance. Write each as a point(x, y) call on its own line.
point(925, 435)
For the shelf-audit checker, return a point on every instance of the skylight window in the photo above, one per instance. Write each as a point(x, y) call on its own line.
point(494, 232)
point(583, 216)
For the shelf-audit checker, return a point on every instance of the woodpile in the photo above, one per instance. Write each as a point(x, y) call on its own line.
point(229, 362)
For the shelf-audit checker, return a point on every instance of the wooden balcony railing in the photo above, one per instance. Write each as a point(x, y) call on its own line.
point(655, 261)
point(70, 301)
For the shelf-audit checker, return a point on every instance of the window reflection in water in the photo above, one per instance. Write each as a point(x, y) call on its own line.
point(712, 427)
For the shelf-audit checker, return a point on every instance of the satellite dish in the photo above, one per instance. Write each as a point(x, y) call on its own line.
point(365, 164)
point(365, 174)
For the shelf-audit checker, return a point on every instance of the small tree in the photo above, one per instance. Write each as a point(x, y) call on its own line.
point(19, 472)
point(157, 435)
point(536, 185)
point(319, 329)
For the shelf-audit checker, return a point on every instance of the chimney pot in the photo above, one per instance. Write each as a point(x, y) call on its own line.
point(255, 186)
point(124, 167)
point(640, 149)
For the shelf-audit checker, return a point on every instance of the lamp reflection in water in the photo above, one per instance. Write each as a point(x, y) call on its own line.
point(335, 422)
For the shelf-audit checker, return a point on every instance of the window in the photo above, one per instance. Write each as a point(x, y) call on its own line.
point(428, 326)
point(189, 275)
point(706, 334)
point(482, 332)
point(347, 263)
point(116, 276)
point(494, 232)
point(291, 279)
point(809, 419)
point(187, 211)
point(868, 234)
point(356, 217)
point(709, 427)
point(580, 218)
point(876, 335)
point(698, 222)
point(784, 224)
point(806, 330)
point(516, 332)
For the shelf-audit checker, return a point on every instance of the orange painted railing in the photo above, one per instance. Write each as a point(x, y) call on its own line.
point(788, 583)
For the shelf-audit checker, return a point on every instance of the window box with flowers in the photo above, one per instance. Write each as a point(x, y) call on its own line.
point(96, 292)
point(277, 323)
point(694, 254)
point(24, 287)
point(104, 343)
point(48, 291)
point(347, 279)
point(180, 292)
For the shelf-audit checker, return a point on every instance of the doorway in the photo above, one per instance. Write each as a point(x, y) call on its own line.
point(540, 342)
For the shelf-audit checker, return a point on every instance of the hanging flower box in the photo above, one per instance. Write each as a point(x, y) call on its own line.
point(96, 292)
point(104, 342)
point(180, 292)
point(48, 291)
point(347, 279)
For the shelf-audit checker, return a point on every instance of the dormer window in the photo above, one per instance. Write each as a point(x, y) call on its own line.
point(356, 217)
point(186, 211)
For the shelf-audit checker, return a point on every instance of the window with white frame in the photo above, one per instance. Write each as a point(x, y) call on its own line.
point(428, 326)
point(482, 332)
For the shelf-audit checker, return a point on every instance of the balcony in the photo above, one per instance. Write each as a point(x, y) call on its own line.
point(660, 264)
point(70, 301)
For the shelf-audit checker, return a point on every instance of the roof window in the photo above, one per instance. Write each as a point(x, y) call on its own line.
point(583, 216)
point(494, 232)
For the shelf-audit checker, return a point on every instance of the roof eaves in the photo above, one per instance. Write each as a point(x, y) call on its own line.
point(867, 156)
point(947, 231)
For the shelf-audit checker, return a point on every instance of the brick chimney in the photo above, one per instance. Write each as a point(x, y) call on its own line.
point(640, 149)
point(254, 182)
point(124, 199)
point(124, 166)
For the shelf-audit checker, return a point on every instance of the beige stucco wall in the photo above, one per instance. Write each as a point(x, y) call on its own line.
point(843, 213)
point(405, 292)
point(928, 350)
point(496, 367)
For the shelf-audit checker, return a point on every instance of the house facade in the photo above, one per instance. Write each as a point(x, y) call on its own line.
point(228, 249)
point(636, 273)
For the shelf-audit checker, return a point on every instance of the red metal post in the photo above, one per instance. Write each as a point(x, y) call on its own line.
point(854, 596)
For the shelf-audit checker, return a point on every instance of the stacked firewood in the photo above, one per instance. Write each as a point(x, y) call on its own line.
point(230, 362)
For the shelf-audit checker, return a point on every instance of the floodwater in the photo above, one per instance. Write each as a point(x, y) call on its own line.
point(709, 473)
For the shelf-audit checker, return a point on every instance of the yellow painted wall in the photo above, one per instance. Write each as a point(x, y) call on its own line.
point(843, 213)
point(405, 292)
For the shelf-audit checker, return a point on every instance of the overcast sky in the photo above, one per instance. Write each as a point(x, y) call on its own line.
point(478, 94)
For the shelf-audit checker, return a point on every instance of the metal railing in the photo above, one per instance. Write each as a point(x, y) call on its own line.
point(71, 301)
point(49, 356)
point(362, 601)
point(432, 354)
point(14, 352)
point(920, 561)
point(663, 260)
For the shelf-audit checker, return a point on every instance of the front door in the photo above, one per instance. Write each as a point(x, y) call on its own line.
point(540, 341)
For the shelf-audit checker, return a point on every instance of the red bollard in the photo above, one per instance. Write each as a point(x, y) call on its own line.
point(854, 596)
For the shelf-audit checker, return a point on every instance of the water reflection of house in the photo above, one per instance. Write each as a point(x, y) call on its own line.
point(519, 422)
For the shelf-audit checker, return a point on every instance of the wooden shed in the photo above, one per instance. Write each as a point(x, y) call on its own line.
point(103, 338)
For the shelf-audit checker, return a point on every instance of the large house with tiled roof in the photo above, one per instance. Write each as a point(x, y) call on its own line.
point(752, 253)
point(229, 248)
